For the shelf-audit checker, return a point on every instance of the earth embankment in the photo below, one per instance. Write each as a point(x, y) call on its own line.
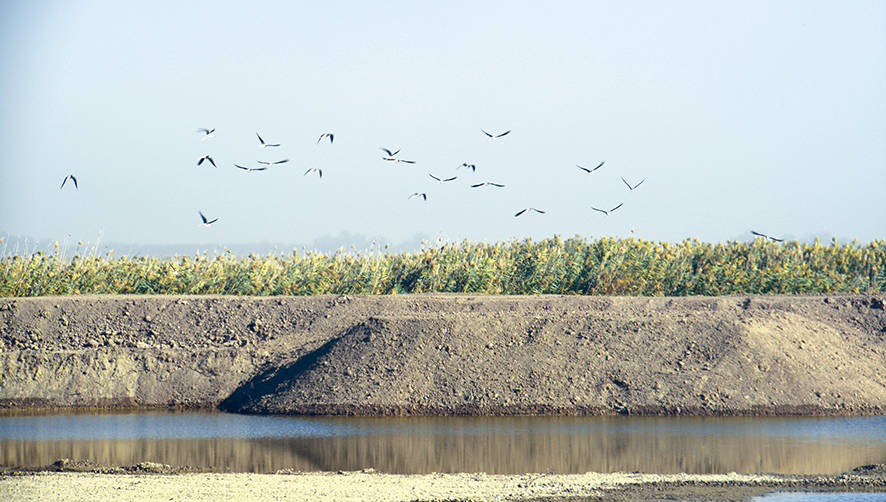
point(448, 354)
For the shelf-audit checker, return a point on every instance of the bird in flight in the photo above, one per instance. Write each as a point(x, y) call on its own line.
point(472, 167)
point(416, 194)
point(487, 183)
point(631, 188)
point(205, 221)
point(774, 239)
point(392, 157)
point(496, 136)
point(262, 144)
point(326, 135)
point(607, 212)
point(250, 169)
point(207, 158)
point(71, 176)
point(529, 209)
point(273, 163)
point(589, 171)
point(314, 169)
point(442, 180)
point(207, 133)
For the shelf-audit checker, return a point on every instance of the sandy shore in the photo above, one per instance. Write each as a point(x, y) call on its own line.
point(363, 486)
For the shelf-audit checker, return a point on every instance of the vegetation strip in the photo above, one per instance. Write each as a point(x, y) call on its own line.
point(605, 266)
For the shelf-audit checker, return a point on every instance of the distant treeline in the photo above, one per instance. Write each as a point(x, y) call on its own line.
point(604, 266)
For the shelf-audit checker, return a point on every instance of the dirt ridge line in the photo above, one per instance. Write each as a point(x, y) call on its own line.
point(449, 354)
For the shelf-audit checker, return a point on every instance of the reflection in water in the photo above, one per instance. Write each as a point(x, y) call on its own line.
point(461, 444)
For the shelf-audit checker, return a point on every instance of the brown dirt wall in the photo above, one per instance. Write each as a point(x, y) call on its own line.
point(448, 354)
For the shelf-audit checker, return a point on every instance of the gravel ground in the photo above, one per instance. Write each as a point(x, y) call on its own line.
point(154, 482)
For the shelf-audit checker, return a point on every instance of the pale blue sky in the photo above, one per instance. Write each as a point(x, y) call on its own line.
point(745, 115)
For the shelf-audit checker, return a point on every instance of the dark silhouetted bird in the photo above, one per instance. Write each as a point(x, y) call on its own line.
point(72, 178)
point(528, 209)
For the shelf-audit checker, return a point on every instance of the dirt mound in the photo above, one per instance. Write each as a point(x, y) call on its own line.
point(581, 356)
point(449, 354)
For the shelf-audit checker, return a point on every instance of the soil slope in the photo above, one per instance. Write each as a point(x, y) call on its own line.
point(449, 354)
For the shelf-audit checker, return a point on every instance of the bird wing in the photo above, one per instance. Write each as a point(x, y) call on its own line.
point(477, 185)
point(263, 162)
point(451, 179)
point(432, 176)
point(407, 161)
point(282, 161)
point(602, 211)
point(584, 169)
point(616, 207)
point(202, 217)
point(74, 180)
point(211, 221)
point(638, 184)
point(521, 212)
point(390, 154)
point(628, 184)
point(486, 133)
point(259, 139)
point(599, 165)
point(496, 185)
point(201, 160)
point(211, 161)
point(241, 167)
point(63, 182)
point(504, 134)
point(537, 210)
point(758, 234)
point(259, 169)
point(321, 138)
point(306, 172)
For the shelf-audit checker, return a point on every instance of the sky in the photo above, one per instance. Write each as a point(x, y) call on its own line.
point(739, 116)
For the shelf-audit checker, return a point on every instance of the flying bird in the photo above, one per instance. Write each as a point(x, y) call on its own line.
point(71, 176)
point(207, 133)
point(262, 143)
point(774, 239)
point(392, 157)
point(326, 135)
point(631, 188)
point(416, 194)
point(496, 136)
point(442, 180)
point(529, 209)
point(250, 169)
point(273, 163)
point(607, 212)
point(205, 221)
point(589, 171)
point(314, 169)
point(489, 183)
point(472, 167)
point(208, 158)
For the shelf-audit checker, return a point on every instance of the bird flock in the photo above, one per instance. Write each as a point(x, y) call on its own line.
point(393, 156)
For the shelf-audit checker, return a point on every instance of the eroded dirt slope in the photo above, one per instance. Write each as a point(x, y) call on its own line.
point(449, 354)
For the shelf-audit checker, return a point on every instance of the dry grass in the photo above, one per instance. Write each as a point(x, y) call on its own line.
point(605, 266)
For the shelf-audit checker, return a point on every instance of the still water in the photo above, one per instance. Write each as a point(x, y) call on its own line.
point(502, 445)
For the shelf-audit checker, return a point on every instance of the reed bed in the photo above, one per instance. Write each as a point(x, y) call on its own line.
point(606, 266)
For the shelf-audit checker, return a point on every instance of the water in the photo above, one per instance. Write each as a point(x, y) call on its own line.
point(501, 445)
